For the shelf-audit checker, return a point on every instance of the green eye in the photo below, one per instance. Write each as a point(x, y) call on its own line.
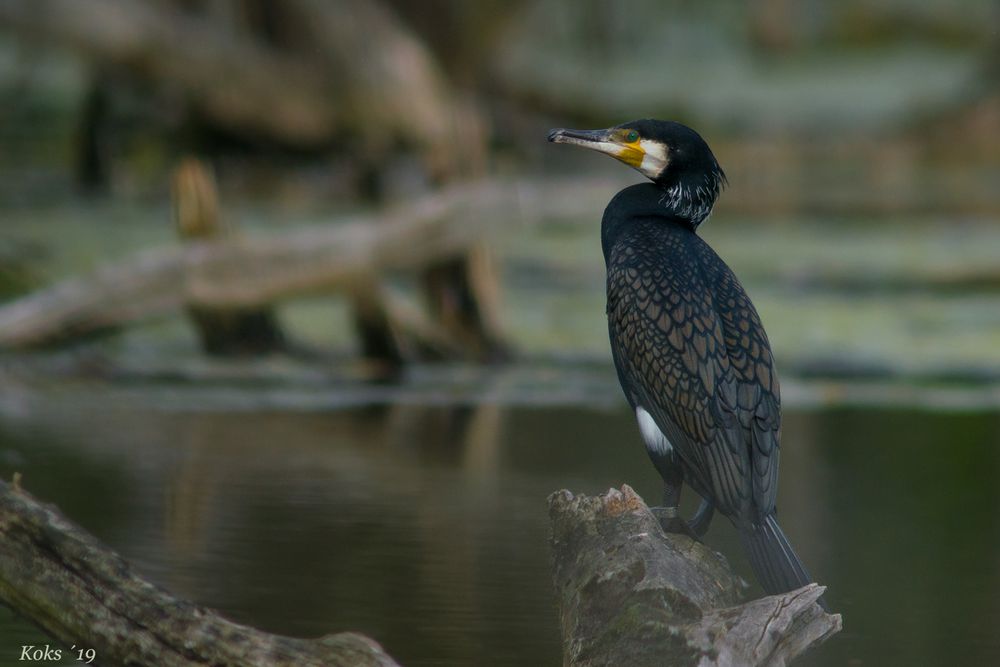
point(632, 136)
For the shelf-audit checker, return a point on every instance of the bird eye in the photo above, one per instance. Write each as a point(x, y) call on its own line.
point(632, 136)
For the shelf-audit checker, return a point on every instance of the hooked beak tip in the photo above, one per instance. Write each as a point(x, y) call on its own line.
point(585, 138)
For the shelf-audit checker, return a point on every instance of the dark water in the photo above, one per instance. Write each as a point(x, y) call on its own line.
point(426, 527)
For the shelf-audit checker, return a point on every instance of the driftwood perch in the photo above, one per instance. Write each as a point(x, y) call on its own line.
point(82, 593)
point(629, 594)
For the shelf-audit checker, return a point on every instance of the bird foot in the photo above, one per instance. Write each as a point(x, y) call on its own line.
point(671, 523)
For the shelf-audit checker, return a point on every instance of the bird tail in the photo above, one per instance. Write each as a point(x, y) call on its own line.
point(774, 562)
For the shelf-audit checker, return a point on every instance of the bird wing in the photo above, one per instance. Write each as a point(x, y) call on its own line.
point(759, 393)
point(672, 347)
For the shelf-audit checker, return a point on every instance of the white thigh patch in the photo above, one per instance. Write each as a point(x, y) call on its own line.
point(656, 442)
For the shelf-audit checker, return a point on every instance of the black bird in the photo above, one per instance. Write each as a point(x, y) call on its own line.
point(691, 354)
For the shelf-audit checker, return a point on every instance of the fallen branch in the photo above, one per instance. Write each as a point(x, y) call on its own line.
point(630, 595)
point(84, 594)
point(251, 271)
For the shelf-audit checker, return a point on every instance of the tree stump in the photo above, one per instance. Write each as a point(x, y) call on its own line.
point(223, 331)
point(629, 594)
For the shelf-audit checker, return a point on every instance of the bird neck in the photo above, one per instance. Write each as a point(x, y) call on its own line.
point(690, 199)
point(687, 201)
point(644, 201)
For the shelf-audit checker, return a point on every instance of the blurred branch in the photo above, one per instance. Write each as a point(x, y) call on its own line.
point(236, 81)
point(248, 271)
point(314, 69)
point(387, 81)
point(352, 63)
point(223, 331)
point(394, 88)
point(80, 592)
point(631, 595)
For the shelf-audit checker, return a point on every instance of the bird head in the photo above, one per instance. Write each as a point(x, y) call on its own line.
point(672, 155)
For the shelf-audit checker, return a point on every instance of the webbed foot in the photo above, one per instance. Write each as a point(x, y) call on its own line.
point(671, 523)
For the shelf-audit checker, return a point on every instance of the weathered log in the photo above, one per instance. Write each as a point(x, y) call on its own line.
point(252, 271)
point(631, 595)
point(82, 593)
point(223, 331)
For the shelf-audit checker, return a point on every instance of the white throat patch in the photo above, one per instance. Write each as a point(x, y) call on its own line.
point(655, 159)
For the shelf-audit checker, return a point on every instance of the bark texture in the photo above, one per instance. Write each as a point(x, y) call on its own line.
point(631, 595)
point(82, 593)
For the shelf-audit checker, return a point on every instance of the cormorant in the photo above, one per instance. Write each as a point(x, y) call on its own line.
point(688, 345)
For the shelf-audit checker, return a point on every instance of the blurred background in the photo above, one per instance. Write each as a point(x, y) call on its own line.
point(303, 315)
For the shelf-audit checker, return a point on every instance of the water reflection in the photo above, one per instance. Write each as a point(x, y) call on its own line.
point(426, 527)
